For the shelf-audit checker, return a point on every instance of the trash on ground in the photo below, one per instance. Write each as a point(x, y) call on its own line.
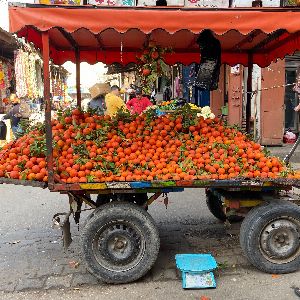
point(13, 243)
point(74, 264)
point(204, 298)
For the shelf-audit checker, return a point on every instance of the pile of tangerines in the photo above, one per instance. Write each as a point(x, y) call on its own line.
point(94, 148)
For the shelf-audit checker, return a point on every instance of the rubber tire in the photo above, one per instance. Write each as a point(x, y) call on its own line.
point(107, 198)
point(215, 206)
point(131, 213)
point(253, 224)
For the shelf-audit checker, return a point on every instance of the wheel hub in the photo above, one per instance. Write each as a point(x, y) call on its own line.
point(280, 239)
point(119, 245)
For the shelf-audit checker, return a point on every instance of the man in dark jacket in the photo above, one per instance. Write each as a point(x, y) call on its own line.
point(14, 114)
point(97, 104)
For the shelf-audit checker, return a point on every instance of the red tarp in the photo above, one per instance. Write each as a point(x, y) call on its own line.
point(116, 35)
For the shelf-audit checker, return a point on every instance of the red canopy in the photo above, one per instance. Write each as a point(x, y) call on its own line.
point(116, 35)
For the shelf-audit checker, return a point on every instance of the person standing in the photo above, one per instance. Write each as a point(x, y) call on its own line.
point(97, 104)
point(113, 102)
point(14, 114)
point(138, 104)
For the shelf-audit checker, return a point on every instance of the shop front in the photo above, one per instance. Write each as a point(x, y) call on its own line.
point(8, 45)
point(291, 98)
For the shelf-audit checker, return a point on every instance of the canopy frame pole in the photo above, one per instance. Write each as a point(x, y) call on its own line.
point(78, 89)
point(249, 92)
point(47, 100)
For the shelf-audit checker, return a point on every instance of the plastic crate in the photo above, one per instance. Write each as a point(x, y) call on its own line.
point(160, 112)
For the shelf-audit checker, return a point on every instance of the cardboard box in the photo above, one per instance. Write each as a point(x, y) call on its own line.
point(99, 89)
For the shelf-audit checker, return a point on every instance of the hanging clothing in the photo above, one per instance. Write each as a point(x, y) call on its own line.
point(6, 78)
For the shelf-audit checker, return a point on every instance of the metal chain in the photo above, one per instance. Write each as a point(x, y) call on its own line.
point(269, 88)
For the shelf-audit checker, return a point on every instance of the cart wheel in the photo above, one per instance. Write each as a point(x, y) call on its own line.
point(120, 243)
point(215, 206)
point(270, 237)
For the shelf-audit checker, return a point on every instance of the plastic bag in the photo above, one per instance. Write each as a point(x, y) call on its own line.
point(289, 137)
point(3, 130)
point(24, 110)
point(209, 67)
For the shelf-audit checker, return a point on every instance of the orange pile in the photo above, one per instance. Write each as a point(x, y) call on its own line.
point(93, 148)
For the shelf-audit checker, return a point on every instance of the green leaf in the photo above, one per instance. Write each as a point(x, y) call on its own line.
point(90, 178)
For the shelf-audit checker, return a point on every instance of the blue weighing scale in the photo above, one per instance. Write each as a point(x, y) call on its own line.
point(196, 270)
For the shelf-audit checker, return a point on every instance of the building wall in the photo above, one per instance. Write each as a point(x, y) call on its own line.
point(248, 3)
point(206, 3)
point(188, 3)
point(4, 22)
point(235, 95)
point(217, 97)
point(272, 103)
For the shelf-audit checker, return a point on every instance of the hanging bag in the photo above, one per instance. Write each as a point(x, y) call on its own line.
point(3, 130)
point(24, 110)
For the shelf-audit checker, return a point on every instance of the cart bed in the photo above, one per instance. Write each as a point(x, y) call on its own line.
point(170, 185)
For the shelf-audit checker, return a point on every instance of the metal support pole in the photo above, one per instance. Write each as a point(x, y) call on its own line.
point(290, 154)
point(78, 90)
point(47, 100)
point(249, 92)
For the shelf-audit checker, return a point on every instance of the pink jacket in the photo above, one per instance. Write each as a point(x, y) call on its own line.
point(137, 106)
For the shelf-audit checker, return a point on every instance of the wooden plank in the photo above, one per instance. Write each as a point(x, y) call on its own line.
point(118, 185)
point(93, 186)
point(163, 184)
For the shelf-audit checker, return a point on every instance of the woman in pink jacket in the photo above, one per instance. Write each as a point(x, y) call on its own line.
point(139, 103)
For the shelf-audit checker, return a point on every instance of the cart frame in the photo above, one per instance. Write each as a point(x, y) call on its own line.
point(120, 240)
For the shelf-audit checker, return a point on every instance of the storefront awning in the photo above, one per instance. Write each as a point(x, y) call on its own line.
point(7, 44)
point(117, 35)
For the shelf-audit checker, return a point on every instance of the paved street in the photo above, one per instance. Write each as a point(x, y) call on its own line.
point(34, 266)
